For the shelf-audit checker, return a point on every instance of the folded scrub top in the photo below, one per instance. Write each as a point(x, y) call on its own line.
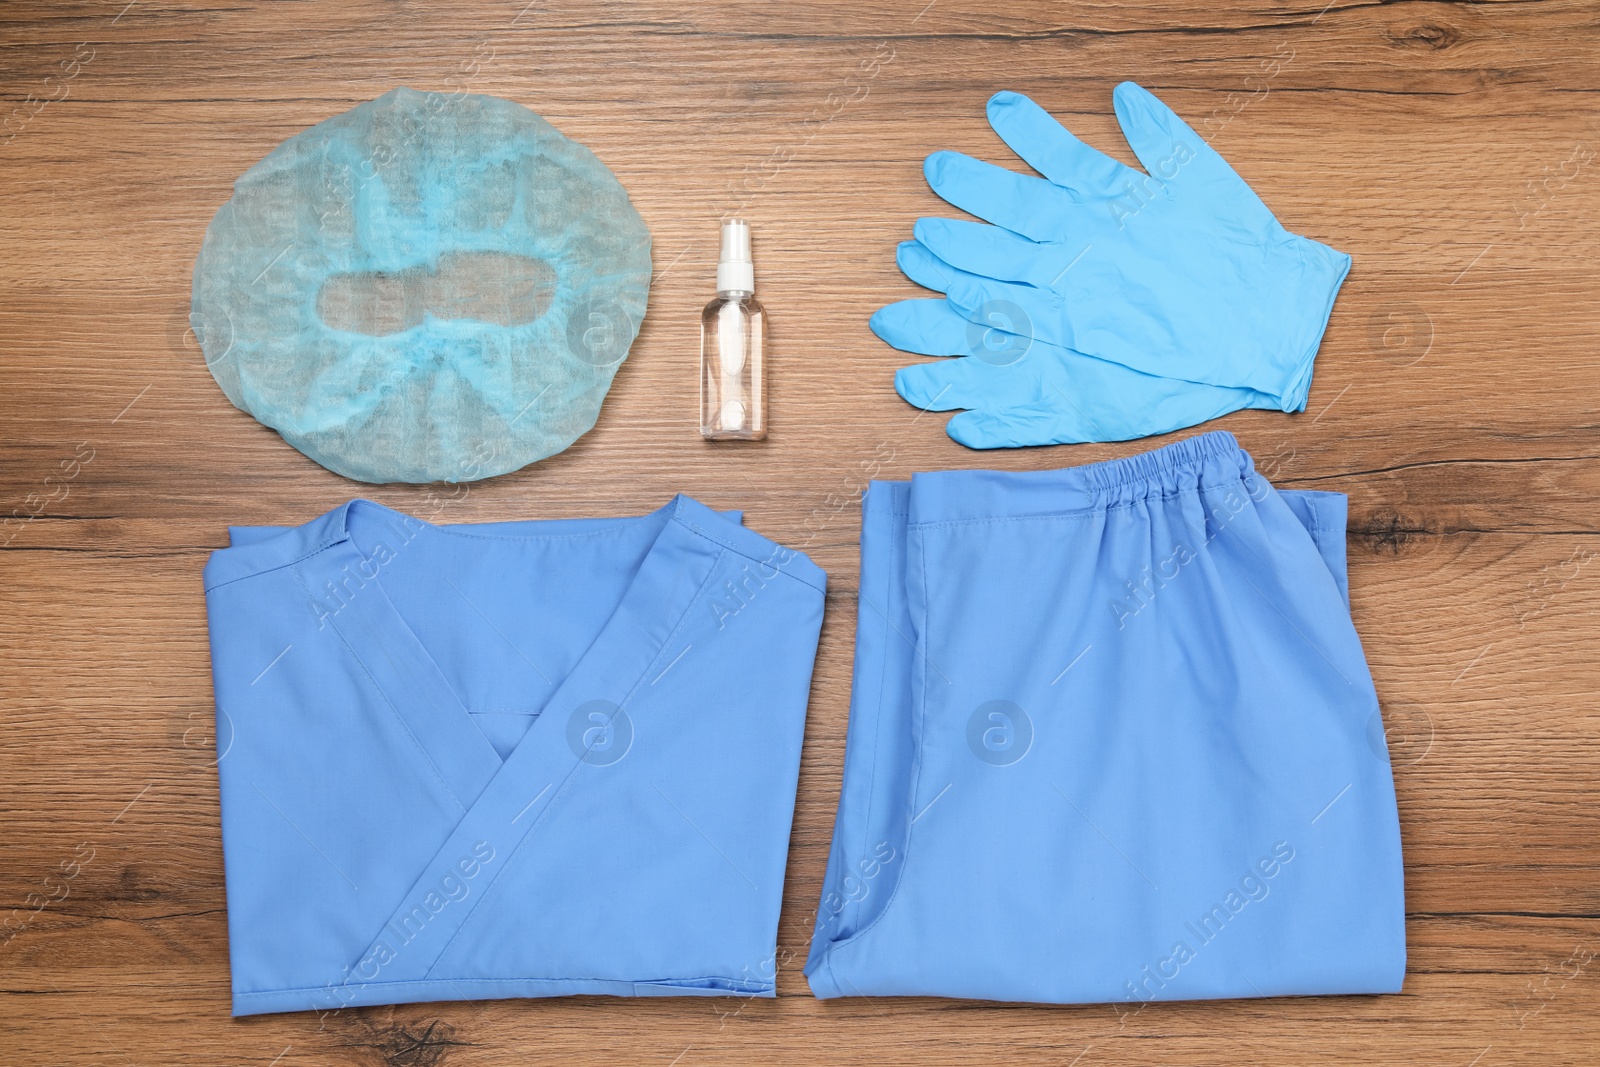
point(517, 759)
point(428, 287)
point(1112, 738)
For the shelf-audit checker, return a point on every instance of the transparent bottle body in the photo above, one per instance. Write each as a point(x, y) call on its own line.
point(733, 402)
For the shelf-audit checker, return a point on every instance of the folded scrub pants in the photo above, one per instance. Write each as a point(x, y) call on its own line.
point(517, 759)
point(1112, 738)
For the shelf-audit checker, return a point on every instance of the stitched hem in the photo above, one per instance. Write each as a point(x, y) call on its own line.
point(323, 547)
point(726, 543)
point(366, 994)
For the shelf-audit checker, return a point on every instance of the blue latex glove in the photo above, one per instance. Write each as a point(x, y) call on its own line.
point(1182, 272)
point(1023, 391)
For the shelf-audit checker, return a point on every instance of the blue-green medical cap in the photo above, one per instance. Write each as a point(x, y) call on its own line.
point(427, 287)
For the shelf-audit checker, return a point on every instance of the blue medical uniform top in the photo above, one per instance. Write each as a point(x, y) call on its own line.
point(508, 759)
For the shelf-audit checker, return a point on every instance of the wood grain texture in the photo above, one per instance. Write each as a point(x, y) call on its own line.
point(1449, 147)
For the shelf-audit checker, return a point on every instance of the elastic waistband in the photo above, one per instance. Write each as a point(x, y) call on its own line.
point(1208, 460)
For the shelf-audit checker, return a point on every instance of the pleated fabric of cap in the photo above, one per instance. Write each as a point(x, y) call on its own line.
point(428, 287)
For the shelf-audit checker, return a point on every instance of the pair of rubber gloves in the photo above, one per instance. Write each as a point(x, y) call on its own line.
point(1101, 303)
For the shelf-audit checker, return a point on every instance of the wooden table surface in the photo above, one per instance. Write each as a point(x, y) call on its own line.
point(1451, 148)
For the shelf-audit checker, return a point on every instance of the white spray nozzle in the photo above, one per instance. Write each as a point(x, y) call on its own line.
point(735, 272)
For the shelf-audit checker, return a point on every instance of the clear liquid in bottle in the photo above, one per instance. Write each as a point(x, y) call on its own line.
point(732, 359)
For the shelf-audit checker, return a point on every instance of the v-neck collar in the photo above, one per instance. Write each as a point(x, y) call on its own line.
point(399, 663)
point(406, 674)
point(631, 648)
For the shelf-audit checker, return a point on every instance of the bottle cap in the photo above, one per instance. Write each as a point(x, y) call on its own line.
point(735, 272)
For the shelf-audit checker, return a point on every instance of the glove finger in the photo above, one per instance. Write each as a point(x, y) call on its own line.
point(1019, 202)
point(1069, 398)
point(922, 266)
point(1164, 143)
point(934, 328)
point(1180, 159)
point(1015, 427)
point(1016, 309)
point(991, 251)
point(949, 383)
point(927, 269)
point(1051, 149)
point(927, 327)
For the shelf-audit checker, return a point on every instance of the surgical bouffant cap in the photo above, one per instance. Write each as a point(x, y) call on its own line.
point(428, 287)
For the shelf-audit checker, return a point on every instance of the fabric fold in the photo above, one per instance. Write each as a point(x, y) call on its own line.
point(647, 679)
point(1120, 744)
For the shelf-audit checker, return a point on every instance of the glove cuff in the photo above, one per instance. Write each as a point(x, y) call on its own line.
point(1322, 272)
